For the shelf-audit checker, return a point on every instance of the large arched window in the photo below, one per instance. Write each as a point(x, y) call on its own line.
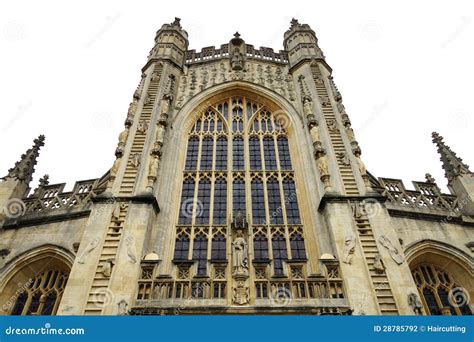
point(238, 159)
point(439, 291)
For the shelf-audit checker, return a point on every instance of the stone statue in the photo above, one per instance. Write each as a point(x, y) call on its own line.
point(142, 127)
point(146, 100)
point(132, 108)
point(378, 264)
point(116, 214)
point(239, 255)
point(344, 158)
point(123, 139)
point(135, 159)
point(122, 308)
point(165, 105)
point(239, 221)
point(106, 268)
point(241, 293)
point(322, 163)
point(348, 250)
point(332, 126)
point(415, 303)
point(155, 76)
point(90, 247)
point(115, 166)
point(350, 133)
point(324, 101)
point(315, 133)
point(153, 170)
point(392, 250)
point(237, 60)
point(307, 106)
point(360, 163)
point(160, 134)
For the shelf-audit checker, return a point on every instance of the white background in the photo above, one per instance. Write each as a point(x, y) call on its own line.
point(69, 71)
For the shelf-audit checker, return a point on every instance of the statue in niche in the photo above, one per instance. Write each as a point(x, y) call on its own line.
point(307, 106)
point(116, 214)
point(324, 101)
point(106, 268)
point(350, 133)
point(123, 137)
point(378, 264)
point(153, 170)
point(322, 163)
point(237, 60)
point(332, 126)
point(392, 250)
point(239, 221)
point(291, 87)
point(314, 132)
point(239, 255)
point(115, 166)
point(160, 134)
point(415, 303)
point(348, 250)
point(241, 293)
point(132, 108)
point(360, 163)
point(165, 105)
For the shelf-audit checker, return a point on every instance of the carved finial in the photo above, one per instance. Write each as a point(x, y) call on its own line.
point(24, 168)
point(453, 166)
point(429, 178)
point(237, 34)
point(43, 181)
point(294, 22)
point(176, 22)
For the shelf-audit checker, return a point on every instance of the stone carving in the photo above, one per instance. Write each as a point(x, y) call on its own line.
point(155, 76)
point(392, 250)
point(131, 249)
point(323, 168)
point(303, 87)
point(335, 91)
point(147, 100)
point(350, 133)
point(153, 170)
point(239, 255)
point(318, 79)
point(106, 268)
point(332, 126)
point(241, 293)
point(114, 169)
point(122, 308)
point(348, 250)
point(429, 178)
point(90, 247)
point(344, 158)
point(415, 303)
point(239, 221)
point(116, 214)
point(315, 133)
point(122, 140)
point(308, 106)
point(135, 159)
point(142, 127)
point(378, 264)
point(324, 101)
point(132, 109)
point(291, 87)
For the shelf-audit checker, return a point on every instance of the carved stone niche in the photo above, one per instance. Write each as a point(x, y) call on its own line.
point(237, 53)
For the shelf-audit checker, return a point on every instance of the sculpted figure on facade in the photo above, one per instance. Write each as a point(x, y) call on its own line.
point(348, 250)
point(239, 255)
point(378, 264)
point(415, 303)
point(392, 250)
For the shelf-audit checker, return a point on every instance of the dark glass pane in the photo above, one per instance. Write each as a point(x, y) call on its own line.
point(49, 304)
point(431, 302)
point(20, 304)
point(254, 154)
point(279, 253)
point(260, 244)
point(291, 202)
point(204, 202)
point(34, 304)
point(181, 248)
point(298, 251)
point(258, 203)
point(187, 204)
point(238, 195)
point(200, 254)
point(284, 153)
point(218, 247)
point(220, 202)
point(206, 153)
point(274, 202)
point(221, 154)
point(192, 155)
point(269, 153)
point(238, 153)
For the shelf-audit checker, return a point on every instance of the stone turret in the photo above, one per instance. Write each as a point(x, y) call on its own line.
point(171, 43)
point(301, 43)
point(16, 184)
point(460, 178)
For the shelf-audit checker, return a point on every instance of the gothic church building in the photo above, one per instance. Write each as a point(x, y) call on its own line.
point(238, 187)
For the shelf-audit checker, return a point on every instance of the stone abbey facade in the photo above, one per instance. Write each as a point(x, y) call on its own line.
point(238, 188)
